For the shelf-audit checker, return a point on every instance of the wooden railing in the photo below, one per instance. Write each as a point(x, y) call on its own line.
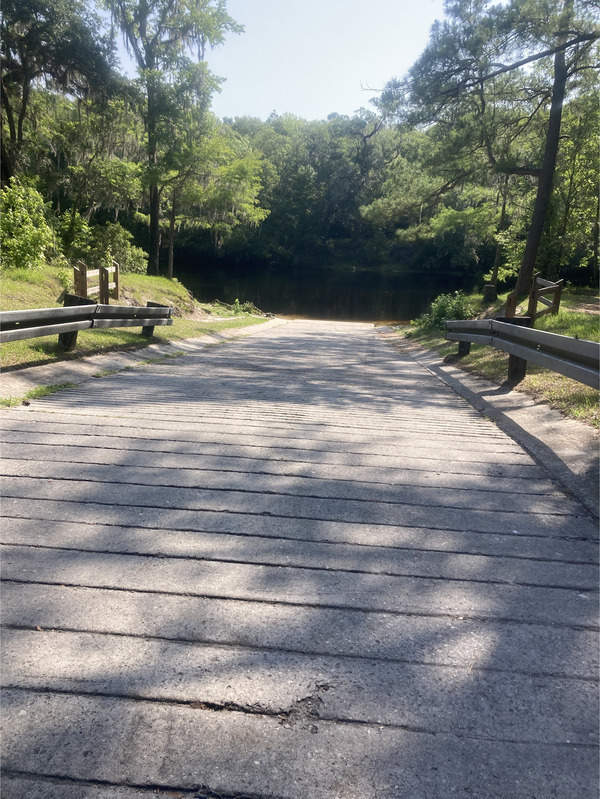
point(575, 358)
point(541, 290)
point(80, 313)
point(107, 277)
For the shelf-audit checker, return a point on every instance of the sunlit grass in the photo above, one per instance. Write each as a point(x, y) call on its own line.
point(42, 288)
point(571, 323)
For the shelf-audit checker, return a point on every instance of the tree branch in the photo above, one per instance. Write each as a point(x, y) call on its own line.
point(583, 37)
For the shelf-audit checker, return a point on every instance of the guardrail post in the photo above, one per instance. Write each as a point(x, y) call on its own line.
point(148, 331)
point(69, 340)
point(517, 367)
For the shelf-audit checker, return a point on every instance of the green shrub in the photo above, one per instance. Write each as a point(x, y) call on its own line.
point(74, 232)
point(444, 307)
point(25, 235)
point(65, 278)
point(243, 307)
point(113, 241)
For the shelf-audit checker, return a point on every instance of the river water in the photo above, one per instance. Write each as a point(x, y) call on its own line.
point(361, 295)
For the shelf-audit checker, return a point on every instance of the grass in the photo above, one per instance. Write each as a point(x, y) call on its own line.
point(571, 323)
point(42, 289)
point(575, 318)
point(35, 393)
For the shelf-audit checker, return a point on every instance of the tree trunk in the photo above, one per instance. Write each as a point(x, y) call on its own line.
point(595, 237)
point(6, 165)
point(171, 238)
point(546, 178)
point(154, 233)
point(501, 228)
point(154, 191)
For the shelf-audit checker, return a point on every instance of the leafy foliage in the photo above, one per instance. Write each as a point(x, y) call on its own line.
point(58, 41)
point(443, 179)
point(444, 307)
point(114, 241)
point(26, 235)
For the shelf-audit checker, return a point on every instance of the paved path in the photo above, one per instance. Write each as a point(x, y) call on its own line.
point(296, 566)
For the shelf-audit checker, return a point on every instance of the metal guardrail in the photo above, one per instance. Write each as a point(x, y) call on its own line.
point(18, 325)
point(575, 358)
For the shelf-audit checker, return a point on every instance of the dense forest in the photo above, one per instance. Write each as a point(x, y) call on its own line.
point(479, 165)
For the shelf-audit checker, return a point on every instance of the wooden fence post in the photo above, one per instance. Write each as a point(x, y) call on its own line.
point(557, 296)
point(148, 331)
point(104, 280)
point(533, 297)
point(512, 301)
point(80, 279)
point(69, 340)
point(115, 293)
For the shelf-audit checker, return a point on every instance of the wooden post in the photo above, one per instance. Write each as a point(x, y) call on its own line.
point(511, 304)
point(557, 296)
point(115, 293)
point(80, 279)
point(533, 297)
point(149, 330)
point(69, 340)
point(104, 280)
point(464, 348)
point(517, 367)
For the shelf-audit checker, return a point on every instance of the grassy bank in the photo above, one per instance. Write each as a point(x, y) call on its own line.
point(44, 289)
point(578, 317)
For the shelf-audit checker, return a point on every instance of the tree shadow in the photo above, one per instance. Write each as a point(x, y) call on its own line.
point(288, 588)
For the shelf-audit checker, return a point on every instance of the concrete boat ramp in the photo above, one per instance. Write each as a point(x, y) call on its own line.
point(295, 566)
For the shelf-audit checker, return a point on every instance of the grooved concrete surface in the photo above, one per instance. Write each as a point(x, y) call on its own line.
point(296, 566)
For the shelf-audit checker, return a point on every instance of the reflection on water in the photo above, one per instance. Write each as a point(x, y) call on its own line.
point(325, 293)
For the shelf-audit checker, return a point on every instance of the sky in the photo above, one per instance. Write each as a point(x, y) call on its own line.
point(312, 58)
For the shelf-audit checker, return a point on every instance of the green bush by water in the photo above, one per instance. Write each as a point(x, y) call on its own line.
point(444, 307)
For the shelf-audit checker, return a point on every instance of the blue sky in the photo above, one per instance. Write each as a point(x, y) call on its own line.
point(317, 57)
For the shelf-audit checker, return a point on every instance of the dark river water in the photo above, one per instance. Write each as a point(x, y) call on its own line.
point(324, 293)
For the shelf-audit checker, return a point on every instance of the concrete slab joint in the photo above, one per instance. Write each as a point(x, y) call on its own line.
point(299, 566)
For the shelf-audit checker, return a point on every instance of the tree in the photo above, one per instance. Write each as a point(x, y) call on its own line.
point(571, 230)
point(213, 184)
point(492, 75)
point(160, 35)
point(316, 175)
point(56, 41)
point(571, 45)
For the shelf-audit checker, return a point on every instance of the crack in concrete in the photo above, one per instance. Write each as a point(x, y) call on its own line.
point(172, 791)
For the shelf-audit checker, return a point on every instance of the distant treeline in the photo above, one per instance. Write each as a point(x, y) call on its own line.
point(482, 161)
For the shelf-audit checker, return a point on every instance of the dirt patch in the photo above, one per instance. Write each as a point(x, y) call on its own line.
point(593, 306)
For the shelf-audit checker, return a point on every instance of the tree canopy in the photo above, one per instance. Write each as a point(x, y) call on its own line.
point(481, 162)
